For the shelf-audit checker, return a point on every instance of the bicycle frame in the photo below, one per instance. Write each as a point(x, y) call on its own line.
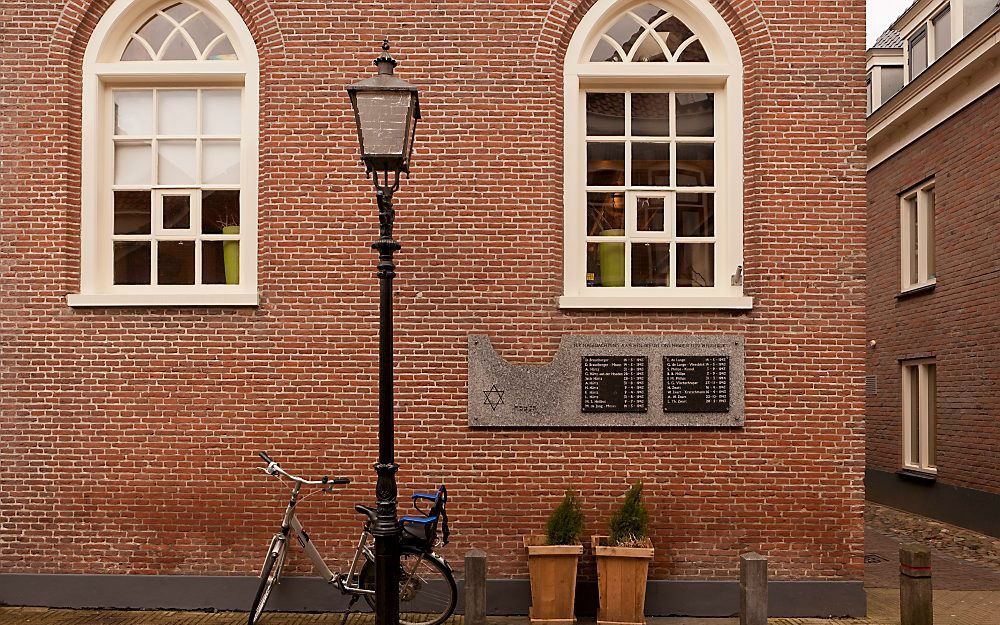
point(290, 526)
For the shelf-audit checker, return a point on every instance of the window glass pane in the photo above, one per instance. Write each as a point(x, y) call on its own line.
point(695, 164)
point(930, 198)
point(650, 114)
point(179, 11)
point(132, 262)
point(695, 264)
point(176, 212)
point(918, 53)
point(913, 372)
point(606, 114)
point(604, 52)
point(223, 51)
point(178, 112)
point(606, 164)
point(220, 212)
point(650, 164)
point(202, 29)
point(135, 51)
point(605, 211)
point(942, 33)
point(220, 262)
point(606, 263)
point(175, 262)
point(695, 114)
point(674, 33)
point(931, 415)
point(221, 162)
point(914, 216)
point(649, 213)
point(868, 88)
point(221, 112)
point(132, 212)
point(695, 215)
point(176, 162)
point(134, 112)
point(133, 163)
point(626, 32)
point(155, 31)
point(178, 49)
point(694, 53)
point(650, 264)
point(892, 82)
point(648, 50)
point(976, 12)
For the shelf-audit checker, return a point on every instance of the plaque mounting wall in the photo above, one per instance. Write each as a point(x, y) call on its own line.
point(612, 381)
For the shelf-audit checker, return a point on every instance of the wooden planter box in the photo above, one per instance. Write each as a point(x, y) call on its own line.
point(553, 581)
point(621, 582)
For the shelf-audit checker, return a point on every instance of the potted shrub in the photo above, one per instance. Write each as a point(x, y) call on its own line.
point(552, 561)
point(623, 562)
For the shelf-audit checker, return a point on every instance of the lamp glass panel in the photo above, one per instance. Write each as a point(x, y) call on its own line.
point(383, 116)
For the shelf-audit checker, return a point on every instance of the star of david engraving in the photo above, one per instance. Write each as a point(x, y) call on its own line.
point(494, 397)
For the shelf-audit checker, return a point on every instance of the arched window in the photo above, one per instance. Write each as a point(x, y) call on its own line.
point(169, 157)
point(654, 158)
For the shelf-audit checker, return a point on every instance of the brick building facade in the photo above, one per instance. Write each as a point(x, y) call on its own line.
point(132, 416)
point(933, 441)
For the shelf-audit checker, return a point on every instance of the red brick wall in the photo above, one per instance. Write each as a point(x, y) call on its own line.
point(130, 434)
point(959, 322)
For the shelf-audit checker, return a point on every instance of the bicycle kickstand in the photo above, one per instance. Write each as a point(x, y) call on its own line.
point(347, 612)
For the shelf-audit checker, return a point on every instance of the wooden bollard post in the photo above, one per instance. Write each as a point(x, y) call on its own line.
point(475, 587)
point(753, 589)
point(915, 596)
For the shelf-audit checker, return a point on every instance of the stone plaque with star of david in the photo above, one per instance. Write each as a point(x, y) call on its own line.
point(623, 381)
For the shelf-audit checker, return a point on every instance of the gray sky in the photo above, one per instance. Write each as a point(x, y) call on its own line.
point(881, 13)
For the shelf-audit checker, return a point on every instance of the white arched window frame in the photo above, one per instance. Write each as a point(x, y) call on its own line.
point(210, 64)
point(588, 71)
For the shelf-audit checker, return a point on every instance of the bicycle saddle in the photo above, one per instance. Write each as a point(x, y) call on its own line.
point(365, 510)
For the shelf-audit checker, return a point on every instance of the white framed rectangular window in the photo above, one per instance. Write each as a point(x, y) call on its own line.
point(919, 394)
point(916, 217)
point(917, 47)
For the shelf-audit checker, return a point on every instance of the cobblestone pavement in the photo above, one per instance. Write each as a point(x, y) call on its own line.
point(946, 539)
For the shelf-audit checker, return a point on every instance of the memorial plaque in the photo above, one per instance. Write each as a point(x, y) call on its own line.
point(696, 384)
point(610, 381)
point(613, 384)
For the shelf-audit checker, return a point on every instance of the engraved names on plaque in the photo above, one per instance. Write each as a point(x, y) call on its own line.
point(696, 384)
point(613, 384)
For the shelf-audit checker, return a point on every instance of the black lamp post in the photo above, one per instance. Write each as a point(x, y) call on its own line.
point(386, 111)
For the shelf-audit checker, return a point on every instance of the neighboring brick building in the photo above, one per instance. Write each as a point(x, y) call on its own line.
point(141, 372)
point(933, 406)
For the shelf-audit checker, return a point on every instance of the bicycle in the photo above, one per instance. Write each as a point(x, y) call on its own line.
point(427, 589)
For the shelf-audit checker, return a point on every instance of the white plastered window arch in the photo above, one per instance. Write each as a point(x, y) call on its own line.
point(628, 242)
point(169, 157)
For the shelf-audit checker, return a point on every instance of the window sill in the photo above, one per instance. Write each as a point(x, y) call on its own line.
point(917, 290)
point(88, 300)
point(576, 302)
point(928, 476)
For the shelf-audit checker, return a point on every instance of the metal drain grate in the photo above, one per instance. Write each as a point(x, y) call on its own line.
point(874, 558)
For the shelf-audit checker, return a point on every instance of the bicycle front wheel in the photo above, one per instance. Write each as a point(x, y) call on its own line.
point(427, 590)
point(269, 576)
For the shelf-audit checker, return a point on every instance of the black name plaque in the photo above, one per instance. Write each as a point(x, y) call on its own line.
point(695, 383)
point(613, 384)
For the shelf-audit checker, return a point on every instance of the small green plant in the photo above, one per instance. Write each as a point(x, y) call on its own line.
point(629, 523)
point(566, 522)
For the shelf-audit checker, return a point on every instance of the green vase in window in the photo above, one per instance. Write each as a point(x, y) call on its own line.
point(612, 256)
point(231, 255)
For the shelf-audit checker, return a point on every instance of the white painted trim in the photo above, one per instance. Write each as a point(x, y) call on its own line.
point(921, 413)
point(101, 70)
point(967, 72)
point(661, 302)
point(88, 300)
point(922, 200)
point(724, 76)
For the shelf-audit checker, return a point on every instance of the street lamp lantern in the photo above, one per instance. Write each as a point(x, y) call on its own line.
point(386, 110)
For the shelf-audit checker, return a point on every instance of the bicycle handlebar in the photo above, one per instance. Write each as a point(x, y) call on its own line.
point(273, 468)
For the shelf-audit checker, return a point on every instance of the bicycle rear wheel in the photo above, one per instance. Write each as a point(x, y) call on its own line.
point(269, 576)
point(427, 589)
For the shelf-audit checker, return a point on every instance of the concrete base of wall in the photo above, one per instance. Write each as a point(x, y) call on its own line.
point(503, 596)
point(976, 510)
